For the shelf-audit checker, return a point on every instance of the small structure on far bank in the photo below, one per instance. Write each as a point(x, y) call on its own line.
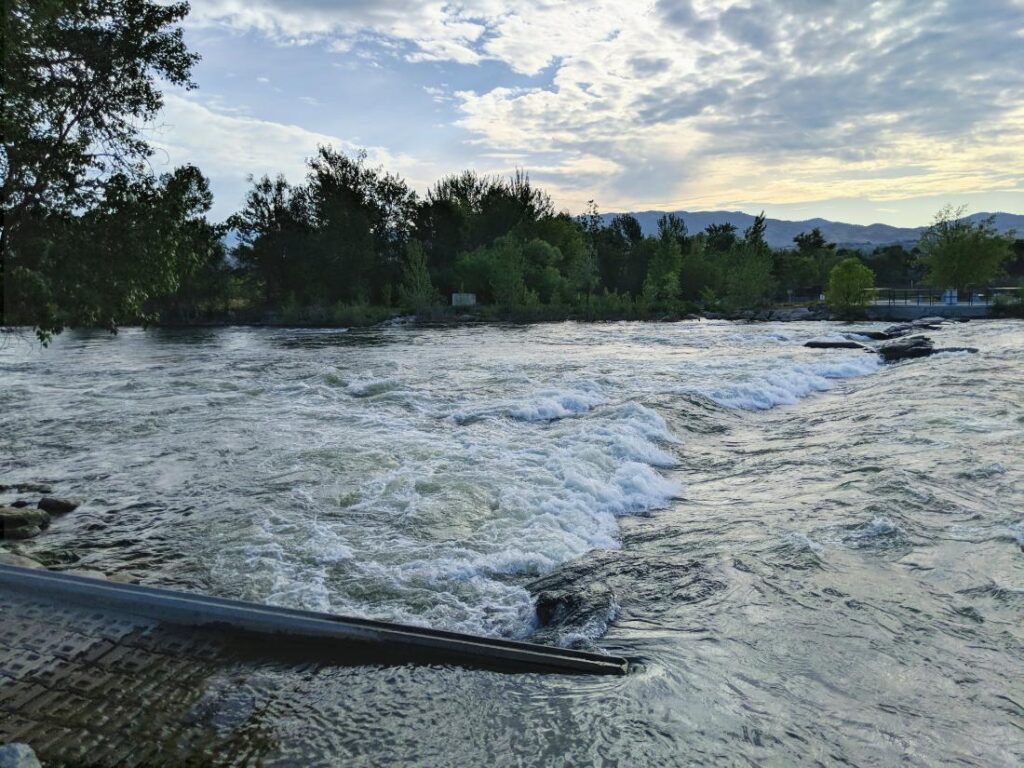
point(463, 299)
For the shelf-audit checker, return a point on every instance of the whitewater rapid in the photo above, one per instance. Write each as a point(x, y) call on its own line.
point(419, 476)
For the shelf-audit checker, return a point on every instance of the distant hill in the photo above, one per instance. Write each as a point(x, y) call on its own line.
point(780, 233)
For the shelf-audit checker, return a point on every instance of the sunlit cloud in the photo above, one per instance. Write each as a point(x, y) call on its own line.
point(673, 103)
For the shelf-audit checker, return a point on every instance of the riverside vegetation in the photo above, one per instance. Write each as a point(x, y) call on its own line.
point(92, 237)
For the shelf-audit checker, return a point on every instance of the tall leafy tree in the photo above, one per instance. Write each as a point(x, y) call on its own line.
point(662, 282)
point(274, 231)
point(140, 242)
point(960, 253)
point(80, 80)
point(417, 292)
point(80, 77)
point(720, 237)
point(749, 281)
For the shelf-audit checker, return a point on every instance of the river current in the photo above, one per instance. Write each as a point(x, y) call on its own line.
point(811, 557)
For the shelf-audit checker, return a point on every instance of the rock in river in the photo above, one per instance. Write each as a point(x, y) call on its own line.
point(27, 488)
point(58, 506)
point(907, 348)
point(22, 523)
point(876, 335)
point(9, 558)
point(826, 344)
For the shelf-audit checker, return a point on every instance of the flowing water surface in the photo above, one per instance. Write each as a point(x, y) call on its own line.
point(811, 557)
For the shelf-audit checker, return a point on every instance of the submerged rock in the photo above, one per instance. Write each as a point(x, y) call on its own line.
point(895, 331)
point(18, 756)
point(22, 522)
point(9, 558)
point(27, 488)
point(873, 335)
point(576, 602)
point(58, 506)
point(89, 573)
point(907, 349)
point(821, 344)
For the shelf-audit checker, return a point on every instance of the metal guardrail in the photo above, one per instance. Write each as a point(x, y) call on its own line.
point(934, 297)
point(377, 641)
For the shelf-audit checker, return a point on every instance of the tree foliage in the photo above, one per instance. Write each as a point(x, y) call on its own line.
point(137, 245)
point(417, 291)
point(848, 286)
point(80, 79)
point(960, 253)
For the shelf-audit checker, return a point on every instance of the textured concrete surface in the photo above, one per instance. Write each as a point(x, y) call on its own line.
point(89, 688)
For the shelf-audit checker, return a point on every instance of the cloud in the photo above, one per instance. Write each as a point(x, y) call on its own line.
point(688, 101)
point(229, 147)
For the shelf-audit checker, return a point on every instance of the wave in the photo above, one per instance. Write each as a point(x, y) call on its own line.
point(445, 535)
point(786, 386)
point(543, 405)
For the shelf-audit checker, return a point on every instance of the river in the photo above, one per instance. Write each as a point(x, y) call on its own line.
point(811, 557)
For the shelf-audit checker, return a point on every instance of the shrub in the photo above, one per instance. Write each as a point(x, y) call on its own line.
point(848, 286)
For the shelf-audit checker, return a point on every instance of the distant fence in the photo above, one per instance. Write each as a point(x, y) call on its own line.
point(936, 297)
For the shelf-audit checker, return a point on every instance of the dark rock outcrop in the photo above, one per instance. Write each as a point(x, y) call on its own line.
point(820, 344)
point(907, 348)
point(22, 522)
point(873, 335)
point(57, 506)
point(27, 488)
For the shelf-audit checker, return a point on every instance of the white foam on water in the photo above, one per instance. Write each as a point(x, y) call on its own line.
point(369, 386)
point(788, 382)
point(542, 405)
point(471, 513)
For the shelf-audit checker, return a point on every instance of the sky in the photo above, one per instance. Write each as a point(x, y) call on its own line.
point(845, 109)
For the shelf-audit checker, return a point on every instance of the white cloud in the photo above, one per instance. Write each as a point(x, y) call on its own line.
point(702, 102)
point(229, 147)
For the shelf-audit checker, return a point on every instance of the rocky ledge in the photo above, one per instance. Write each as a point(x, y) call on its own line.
point(22, 522)
point(21, 519)
point(915, 346)
point(902, 341)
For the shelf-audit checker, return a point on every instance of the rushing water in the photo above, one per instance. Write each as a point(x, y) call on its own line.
point(812, 557)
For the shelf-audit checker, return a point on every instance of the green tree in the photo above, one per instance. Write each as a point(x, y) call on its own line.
point(720, 237)
point(662, 282)
point(112, 264)
point(848, 286)
point(417, 292)
point(80, 82)
point(699, 273)
point(506, 274)
point(274, 230)
point(749, 281)
point(960, 253)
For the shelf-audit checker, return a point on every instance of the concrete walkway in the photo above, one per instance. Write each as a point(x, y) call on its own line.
point(88, 687)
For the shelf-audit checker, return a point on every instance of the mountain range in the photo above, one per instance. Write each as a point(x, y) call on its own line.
point(780, 233)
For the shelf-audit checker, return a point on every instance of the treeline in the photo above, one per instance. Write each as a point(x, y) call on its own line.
point(354, 244)
point(91, 237)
